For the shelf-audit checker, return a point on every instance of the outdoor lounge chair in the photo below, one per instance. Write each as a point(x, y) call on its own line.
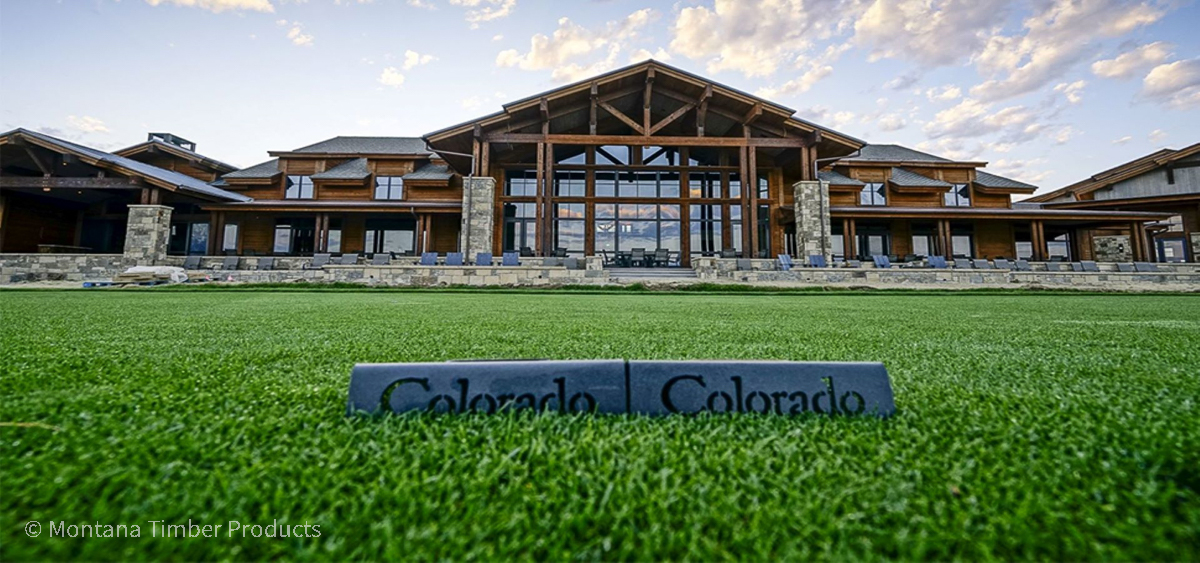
point(728, 253)
point(483, 259)
point(192, 262)
point(745, 264)
point(662, 257)
point(318, 261)
point(938, 262)
point(1022, 265)
point(454, 259)
point(785, 262)
point(510, 259)
point(560, 252)
point(817, 261)
point(1145, 267)
point(266, 263)
point(962, 264)
point(526, 252)
point(429, 259)
point(1076, 267)
point(230, 263)
point(1002, 264)
point(1124, 267)
point(381, 259)
point(637, 257)
point(1089, 265)
point(983, 265)
point(881, 261)
point(348, 259)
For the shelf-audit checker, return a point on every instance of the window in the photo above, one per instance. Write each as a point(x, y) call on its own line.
point(638, 225)
point(1024, 249)
point(397, 236)
point(962, 240)
point(704, 185)
point(188, 238)
point(231, 233)
point(764, 186)
point(334, 236)
point(873, 239)
point(298, 187)
point(735, 185)
point(1059, 247)
point(660, 156)
point(569, 227)
point(520, 226)
point(705, 227)
point(569, 155)
point(606, 184)
point(389, 187)
point(649, 184)
point(873, 193)
point(294, 236)
point(958, 196)
point(520, 183)
point(924, 240)
point(764, 231)
point(735, 227)
point(612, 154)
point(570, 183)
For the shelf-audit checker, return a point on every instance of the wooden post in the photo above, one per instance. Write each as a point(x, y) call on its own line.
point(747, 218)
point(214, 247)
point(1041, 251)
point(540, 189)
point(752, 171)
point(548, 246)
point(850, 244)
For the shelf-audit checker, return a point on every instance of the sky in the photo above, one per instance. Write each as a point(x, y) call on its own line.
point(1045, 91)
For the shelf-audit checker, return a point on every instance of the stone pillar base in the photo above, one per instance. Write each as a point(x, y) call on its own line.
point(1195, 247)
point(478, 216)
point(1113, 248)
point(147, 235)
point(813, 235)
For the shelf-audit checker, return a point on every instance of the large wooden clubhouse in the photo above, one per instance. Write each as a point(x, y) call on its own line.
point(645, 157)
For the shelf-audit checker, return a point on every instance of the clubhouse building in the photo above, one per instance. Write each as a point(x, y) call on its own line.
point(645, 158)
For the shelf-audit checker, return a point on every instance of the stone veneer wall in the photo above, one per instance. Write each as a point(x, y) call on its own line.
point(424, 276)
point(1113, 248)
point(478, 217)
point(1196, 247)
point(812, 219)
point(16, 268)
point(147, 234)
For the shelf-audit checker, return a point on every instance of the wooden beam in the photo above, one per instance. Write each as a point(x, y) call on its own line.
point(37, 160)
point(670, 118)
point(539, 190)
point(702, 111)
point(646, 101)
point(723, 112)
point(75, 183)
point(752, 184)
point(621, 116)
point(533, 138)
point(544, 109)
point(752, 115)
point(592, 110)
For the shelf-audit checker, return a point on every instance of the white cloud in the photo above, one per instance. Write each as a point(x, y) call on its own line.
point(643, 54)
point(421, 4)
point(1175, 85)
point(1157, 136)
point(891, 122)
point(1122, 140)
point(1022, 170)
point(945, 93)
point(815, 69)
point(218, 6)
point(1053, 41)
point(485, 10)
point(572, 41)
point(1072, 91)
point(87, 124)
point(827, 117)
point(391, 77)
point(904, 81)
point(1128, 64)
point(497, 37)
point(930, 32)
point(296, 33)
point(413, 59)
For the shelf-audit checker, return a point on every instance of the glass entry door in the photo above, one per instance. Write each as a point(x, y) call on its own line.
point(1171, 249)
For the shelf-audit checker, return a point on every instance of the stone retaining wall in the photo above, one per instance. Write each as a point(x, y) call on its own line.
point(16, 268)
point(424, 276)
point(926, 278)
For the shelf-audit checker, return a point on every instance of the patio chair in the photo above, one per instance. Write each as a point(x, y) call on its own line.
point(909, 258)
point(608, 260)
point(483, 259)
point(381, 259)
point(192, 262)
point(526, 252)
point(637, 257)
point(1089, 265)
point(1076, 267)
point(428, 259)
point(1124, 267)
point(817, 261)
point(729, 253)
point(454, 259)
point(983, 265)
point(1145, 267)
point(348, 259)
point(745, 264)
point(938, 262)
point(318, 261)
point(230, 263)
point(266, 263)
point(1022, 265)
point(785, 262)
point(510, 259)
point(1002, 264)
point(662, 257)
point(881, 261)
point(560, 252)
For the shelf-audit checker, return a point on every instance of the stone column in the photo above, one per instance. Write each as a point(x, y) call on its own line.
point(478, 216)
point(1195, 247)
point(147, 235)
point(1114, 248)
point(812, 219)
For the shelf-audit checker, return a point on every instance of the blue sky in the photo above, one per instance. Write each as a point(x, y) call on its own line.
point(1048, 91)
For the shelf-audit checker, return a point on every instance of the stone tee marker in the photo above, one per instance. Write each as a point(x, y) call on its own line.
point(616, 386)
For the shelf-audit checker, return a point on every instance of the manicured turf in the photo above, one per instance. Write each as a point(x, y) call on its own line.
point(1043, 426)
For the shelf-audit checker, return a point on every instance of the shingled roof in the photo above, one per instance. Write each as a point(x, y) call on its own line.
point(351, 170)
point(431, 171)
point(368, 145)
point(892, 153)
point(262, 170)
point(835, 179)
point(993, 181)
point(181, 182)
point(902, 177)
point(176, 150)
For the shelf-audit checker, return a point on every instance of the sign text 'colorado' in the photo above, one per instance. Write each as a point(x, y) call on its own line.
point(616, 386)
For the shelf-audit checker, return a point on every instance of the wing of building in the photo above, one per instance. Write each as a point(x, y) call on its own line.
point(647, 158)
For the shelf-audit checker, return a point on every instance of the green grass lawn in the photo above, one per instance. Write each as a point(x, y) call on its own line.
point(1030, 426)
